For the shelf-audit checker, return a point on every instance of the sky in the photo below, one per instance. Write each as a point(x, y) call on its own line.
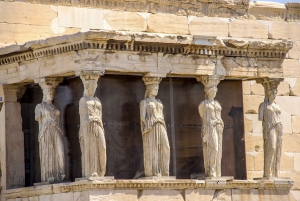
point(281, 1)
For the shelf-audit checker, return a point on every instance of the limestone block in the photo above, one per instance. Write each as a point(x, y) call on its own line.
point(289, 104)
point(251, 103)
point(239, 66)
point(254, 174)
point(259, 161)
point(295, 90)
point(253, 143)
point(199, 194)
point(84, 18)
point(250, 162)
point(297, 161)
point(185, 64)
point(248, 123)
point(125, 21)
point(26, 13)
point(166, 195)
point(6, 35)
point(294, 53)
point(291, 143)
point(29, 70)
point(223, 195)
point(257, 89)
point(10, 73)
point(244, 194)
point(291, 68)
point(295, 176)
point(286, 121)
point(45, 197)
point(63, 196)
point(274, 194)
point(296, 124)
point(283, 30)
point(20, 33)
point(113, 195)
point(256, 125)
point(24, 199)
point(50, 66)
point(167, 23)
point(76, 196)
point(246, 87)
point(208, 26)
point(287, 162)
point(248, 29)
point(295, 194)
point(283, 89)
point(35, 198)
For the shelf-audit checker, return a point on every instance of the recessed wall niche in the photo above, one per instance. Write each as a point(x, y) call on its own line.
point(120, 96)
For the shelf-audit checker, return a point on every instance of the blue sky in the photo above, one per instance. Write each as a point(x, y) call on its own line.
point(281, 1)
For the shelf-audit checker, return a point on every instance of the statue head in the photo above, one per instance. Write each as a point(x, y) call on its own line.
point(152, 85)
point(48, 94)
point(151, 89)
point(271, 94)
point(210, 92)
point(48, 86)
point(90, 87)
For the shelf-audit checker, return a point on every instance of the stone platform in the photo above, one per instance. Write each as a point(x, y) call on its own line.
point(149, 190)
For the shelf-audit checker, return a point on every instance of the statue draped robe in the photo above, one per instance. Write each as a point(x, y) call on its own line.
point(51, 149)
point(155, 139)
point(212, 136)
point(91, 137)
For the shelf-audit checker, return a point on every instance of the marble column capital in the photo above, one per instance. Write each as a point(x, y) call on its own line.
point(210, 80)
point(48, 82)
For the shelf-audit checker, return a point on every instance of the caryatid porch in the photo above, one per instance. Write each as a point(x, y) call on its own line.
point(137, 54)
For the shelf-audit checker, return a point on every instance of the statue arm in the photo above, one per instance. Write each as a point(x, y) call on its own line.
point(81, 112)
point(201, 110)
point(143, 114)
point(261, 112)
point(37, 112)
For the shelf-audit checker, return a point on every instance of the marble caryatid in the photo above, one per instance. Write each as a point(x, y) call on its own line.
point(91, 132)
point(269, 113)
point(155, 139)
point(50, 137)
point(212, 127)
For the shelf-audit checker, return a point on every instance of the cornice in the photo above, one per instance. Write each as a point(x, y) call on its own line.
point(143, 43)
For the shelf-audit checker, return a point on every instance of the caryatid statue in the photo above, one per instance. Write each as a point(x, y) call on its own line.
point(50, 137)
point(212, 126)
point(269, 113)
point(91, 132)
point(155, 139)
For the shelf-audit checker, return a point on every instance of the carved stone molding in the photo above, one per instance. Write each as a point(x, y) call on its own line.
point(267, 10)
point(293, 11)
point(49, 82)
point(149, 43)
point(139, 185)
point(11, 93)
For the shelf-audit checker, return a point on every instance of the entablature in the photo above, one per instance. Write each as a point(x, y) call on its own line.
point(130, 52)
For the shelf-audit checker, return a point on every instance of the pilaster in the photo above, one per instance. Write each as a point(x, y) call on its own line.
point(11, 138)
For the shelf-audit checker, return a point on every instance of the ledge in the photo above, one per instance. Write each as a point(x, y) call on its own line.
point(179, 184)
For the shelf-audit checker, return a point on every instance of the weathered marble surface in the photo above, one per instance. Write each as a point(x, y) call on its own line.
point(155, 139)
point(50, 137)
point(269, 113)
point(212, 127)
point(91, 132)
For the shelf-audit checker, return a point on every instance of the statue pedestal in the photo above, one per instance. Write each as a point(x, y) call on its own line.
point(277, 180)
point(95, 178)
point(216, 182)
point(158, 178)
